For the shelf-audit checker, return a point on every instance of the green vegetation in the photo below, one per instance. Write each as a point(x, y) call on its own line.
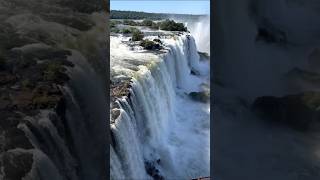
point(126, 31)
point(311, 99)
point(170, 25)
point(113, 23)
point(129, 30)
point(147, 22)
point(115, 30)
point(155, 25)
point(26, 83)
point(54, 71)
point(149, 45)
point(114, 14)
point(137, 35)
point(130, 23)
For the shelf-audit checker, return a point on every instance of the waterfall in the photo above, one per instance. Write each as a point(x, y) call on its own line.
point(201, 33)
point(146, 145)
point(70, 141)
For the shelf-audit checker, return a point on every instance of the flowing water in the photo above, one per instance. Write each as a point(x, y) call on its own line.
point(159, 126)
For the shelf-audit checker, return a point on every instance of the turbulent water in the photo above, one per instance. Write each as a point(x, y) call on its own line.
point(201, 32)
point(160, 129)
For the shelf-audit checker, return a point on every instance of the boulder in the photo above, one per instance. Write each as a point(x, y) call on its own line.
point(200, 96)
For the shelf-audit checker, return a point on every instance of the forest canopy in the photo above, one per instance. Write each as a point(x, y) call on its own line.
point(115, 14)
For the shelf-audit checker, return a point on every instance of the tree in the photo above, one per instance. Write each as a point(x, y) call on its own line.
point(137, 35)
point(170, 25)
point(147, 22)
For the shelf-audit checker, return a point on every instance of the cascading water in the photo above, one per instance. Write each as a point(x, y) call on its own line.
point(201, 33)
point(64, 139)
point(159, 132)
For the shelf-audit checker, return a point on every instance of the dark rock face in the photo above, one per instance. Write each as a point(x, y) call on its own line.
point(152, 170)
point(200, 96)
point(271, 35)
point(16, 164)
point(297, 111)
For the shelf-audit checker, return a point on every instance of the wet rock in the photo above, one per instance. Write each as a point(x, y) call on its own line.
point(113, 140)
point(22, 100)
point(200, 96)
point(153, 171)
point(80, 22)
point(16, 164)
point(84, 6)
point(269, 33)
point(54, 72)
point(119, 89)
point(45, 101)
point(158, 41)
point(195, 72)
point(204, 56)
point(115, 113)
point(40, 51)
point(298, 111)
point(16, 138)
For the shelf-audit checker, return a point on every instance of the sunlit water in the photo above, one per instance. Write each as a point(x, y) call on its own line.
point(159, 123)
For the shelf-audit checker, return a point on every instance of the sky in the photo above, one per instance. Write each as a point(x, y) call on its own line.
point(164, 6)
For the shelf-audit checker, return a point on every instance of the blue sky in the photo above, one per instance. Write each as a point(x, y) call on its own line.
point(164, 6)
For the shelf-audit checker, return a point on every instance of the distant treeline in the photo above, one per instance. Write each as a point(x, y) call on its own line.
point(115, 14)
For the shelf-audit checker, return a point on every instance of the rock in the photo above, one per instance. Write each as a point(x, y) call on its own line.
point(40, 51)
point(46, 101)
point(203, 56)
point(80, 22)
point(115, 113)
point(200, 96)
point(22, 99)
point(119, 89)
point(195, 72)
point(84, 6)
point(158, 41)
point(4, 104)
point(298, 111)
point(6, 78)
point(270, 33)
point(15, 165)
point(153, 171)
point(16, 138)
